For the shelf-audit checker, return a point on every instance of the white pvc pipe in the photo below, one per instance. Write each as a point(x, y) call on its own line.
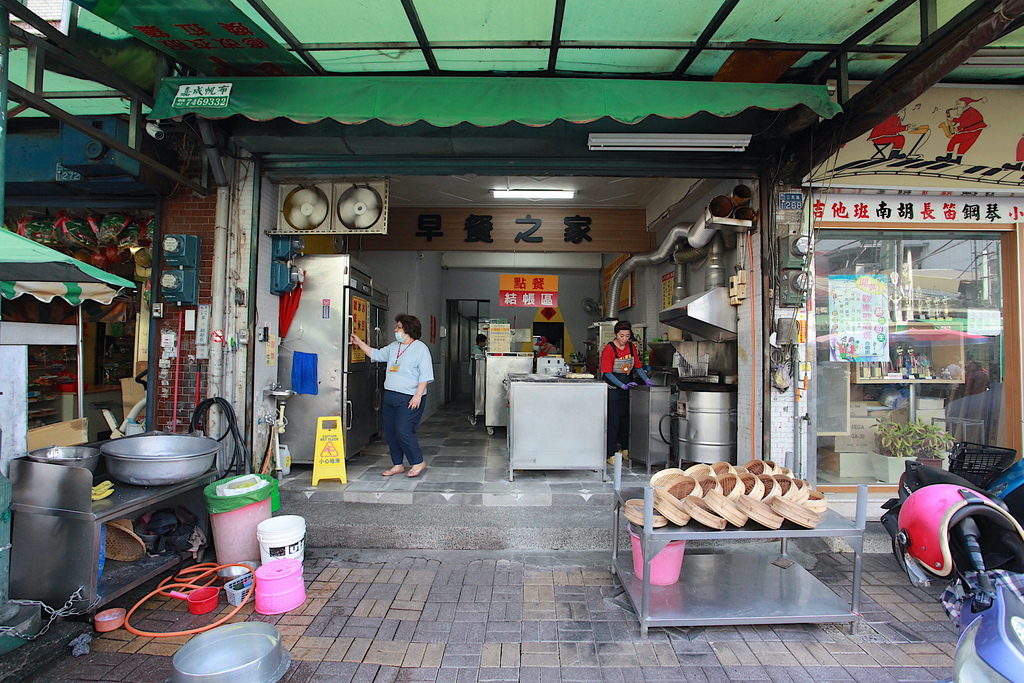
point(219, 291)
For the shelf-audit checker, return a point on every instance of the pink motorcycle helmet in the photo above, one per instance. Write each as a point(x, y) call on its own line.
point(928, 514)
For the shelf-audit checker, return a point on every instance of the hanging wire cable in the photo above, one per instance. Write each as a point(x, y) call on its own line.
point(241, 462)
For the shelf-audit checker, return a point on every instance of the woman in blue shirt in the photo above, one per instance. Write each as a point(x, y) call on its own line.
point(409, 370)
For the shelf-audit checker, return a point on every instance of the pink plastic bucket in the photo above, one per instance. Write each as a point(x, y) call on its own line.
point(279, 587)
point(234, 533)
point(665, 566)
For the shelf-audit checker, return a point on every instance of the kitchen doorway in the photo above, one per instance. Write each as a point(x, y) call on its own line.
point(466, 319)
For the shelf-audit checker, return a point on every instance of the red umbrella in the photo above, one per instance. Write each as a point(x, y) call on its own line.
point(286, 312)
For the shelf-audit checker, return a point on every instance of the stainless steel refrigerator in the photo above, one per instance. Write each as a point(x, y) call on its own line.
point(338, 297)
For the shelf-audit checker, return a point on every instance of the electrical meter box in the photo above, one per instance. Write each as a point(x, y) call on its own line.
point(283, 277)
point(794, 251)
point(794, 286)
point(285, 247)
point(180, 286)
point(181, 251)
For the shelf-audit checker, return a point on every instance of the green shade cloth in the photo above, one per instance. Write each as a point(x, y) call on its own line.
point(402, 100)
point(30, 268)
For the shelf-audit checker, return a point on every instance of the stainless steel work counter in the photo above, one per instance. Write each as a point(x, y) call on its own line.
point(556, 423)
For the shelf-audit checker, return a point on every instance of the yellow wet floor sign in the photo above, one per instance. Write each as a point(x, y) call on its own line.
point(329, 462)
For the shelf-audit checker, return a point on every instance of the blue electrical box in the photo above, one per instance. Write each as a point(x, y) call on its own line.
point(181, 251)
point(285, 247)
point(180, 286)
point(283, 277)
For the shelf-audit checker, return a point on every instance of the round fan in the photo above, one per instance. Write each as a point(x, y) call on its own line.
point(591, 306)
point(360, 207)
point(305, 208)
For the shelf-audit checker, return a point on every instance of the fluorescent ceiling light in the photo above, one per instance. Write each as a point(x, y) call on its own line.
point(533, 194)
point(667, 142)
point(1006, 60)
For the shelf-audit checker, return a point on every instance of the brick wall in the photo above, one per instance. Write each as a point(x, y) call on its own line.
point(187, 214)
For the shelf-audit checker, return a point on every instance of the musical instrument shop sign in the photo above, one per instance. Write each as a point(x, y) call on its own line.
point(957, 138)
point(919, 210)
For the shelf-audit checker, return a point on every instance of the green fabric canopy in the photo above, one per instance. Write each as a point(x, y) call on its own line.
point(30, 268)
point(402, 100)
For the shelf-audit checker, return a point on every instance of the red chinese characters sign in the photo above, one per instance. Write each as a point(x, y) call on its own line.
point(211, 36)
point(929, 208)
point(530, 291)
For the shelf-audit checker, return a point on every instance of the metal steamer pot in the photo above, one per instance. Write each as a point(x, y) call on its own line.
point(157, 459)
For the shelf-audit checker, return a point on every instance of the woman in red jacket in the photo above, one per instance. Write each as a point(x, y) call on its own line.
point(620, 359)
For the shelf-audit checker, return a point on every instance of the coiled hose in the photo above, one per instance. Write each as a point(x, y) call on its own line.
point(190, 578)
point(241, 461)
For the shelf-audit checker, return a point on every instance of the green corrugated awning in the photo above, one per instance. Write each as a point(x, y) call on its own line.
point(402, 100)
point(30, 268)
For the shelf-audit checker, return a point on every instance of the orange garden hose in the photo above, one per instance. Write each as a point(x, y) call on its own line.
point(185, 580)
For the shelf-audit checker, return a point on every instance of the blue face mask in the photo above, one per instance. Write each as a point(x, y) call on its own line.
point(399, 336)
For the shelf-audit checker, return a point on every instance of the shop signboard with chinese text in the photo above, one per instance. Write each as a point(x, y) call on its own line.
point(523, 229)
point(938, 208)
point(529, 291)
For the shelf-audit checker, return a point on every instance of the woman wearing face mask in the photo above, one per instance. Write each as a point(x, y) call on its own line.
point(620, 358)
point(409, 370)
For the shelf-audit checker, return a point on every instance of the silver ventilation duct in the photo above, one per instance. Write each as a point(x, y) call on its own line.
point(708, 315)
point(675, 237)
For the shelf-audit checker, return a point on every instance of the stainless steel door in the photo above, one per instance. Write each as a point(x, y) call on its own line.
point(319, 327)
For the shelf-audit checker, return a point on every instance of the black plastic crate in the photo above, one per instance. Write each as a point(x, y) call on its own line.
point(978, 463)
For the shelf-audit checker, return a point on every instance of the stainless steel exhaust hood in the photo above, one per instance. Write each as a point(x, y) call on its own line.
point(708, 315)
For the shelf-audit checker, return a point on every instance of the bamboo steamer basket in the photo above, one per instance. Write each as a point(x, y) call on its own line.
point(771, 487)
point(683, 487)
point(816, 502)
point(796, 513)
point(739, 469)
point(633, 509)
point(789, 489)
point(123, 544)
point(760, 512)
point(666, 482)
point(698, 470)
point(721, 467)
point(784, 470)
point(700, 512)
point(725, 508)
point(658, 477)
point(731, 486)
point(759, 467)
point(706, 483)
point(669, 506)
point(752, 486)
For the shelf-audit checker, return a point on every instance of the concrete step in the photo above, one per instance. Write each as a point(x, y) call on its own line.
point(455, 527)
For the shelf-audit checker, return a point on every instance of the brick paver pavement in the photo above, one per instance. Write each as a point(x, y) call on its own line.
point(459, 617)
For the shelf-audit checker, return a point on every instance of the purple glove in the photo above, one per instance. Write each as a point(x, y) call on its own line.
point(648, 382)
point(628, 386)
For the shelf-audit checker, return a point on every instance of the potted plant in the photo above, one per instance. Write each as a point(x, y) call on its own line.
point(927, 443)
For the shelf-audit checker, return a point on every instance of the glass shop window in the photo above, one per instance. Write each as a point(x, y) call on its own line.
point(909, 347)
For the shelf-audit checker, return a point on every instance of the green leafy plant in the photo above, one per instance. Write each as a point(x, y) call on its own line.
point(912, 439)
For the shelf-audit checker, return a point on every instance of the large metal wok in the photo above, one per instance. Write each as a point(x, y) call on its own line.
point(157, 459)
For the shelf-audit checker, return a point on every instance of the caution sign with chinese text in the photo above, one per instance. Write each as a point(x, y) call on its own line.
point(329, 461)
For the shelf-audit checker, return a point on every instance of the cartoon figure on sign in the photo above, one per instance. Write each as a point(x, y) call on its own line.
point(963, 127)
point(891, 132)
point(1019, 158)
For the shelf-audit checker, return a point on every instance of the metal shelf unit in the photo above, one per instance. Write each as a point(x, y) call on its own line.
point(735, 588)
point(56, 532)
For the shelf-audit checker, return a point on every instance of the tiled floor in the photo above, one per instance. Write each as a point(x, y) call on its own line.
point(525, 616)
point(465, 465)
point(460, 617)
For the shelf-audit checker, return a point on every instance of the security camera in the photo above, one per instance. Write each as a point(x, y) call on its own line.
point(153, 128)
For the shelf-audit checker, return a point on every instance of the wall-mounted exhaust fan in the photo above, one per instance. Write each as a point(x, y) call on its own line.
point(343, 207)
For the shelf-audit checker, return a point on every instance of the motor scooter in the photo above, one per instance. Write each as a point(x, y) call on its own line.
point(953, 532)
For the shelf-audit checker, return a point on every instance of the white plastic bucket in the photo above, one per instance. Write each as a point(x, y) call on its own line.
point(282, 538)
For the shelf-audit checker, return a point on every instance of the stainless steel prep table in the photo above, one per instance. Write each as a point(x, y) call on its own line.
point(499, 366)
point(55, 532)
point(735, 588)
point(556, 423)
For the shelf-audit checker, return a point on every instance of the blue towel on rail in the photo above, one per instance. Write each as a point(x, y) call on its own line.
point(304, 380)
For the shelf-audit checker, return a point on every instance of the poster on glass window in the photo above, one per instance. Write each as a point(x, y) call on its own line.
point(858, 318)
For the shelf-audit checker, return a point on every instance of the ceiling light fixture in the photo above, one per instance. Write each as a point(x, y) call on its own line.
point(668, 142)
point(533, 194)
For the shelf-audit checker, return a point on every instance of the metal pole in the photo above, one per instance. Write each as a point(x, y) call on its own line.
point(79, 348)
point(5, 68)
